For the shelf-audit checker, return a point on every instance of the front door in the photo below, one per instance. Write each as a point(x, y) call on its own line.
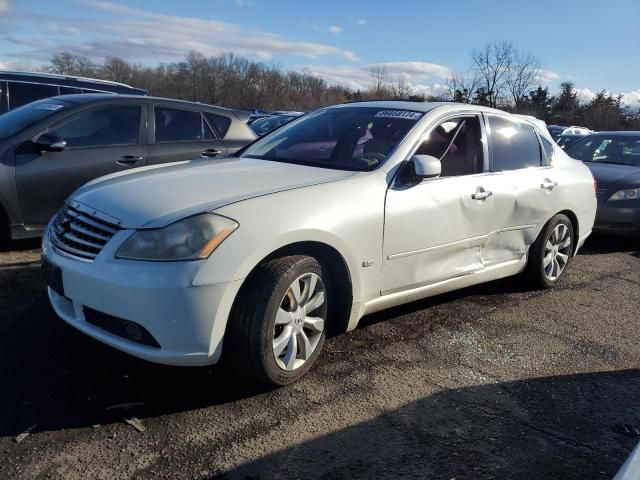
point(436, 229)
point(100, 141)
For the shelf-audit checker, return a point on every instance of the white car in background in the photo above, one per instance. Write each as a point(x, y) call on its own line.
point(576, 131)
point(343, 212)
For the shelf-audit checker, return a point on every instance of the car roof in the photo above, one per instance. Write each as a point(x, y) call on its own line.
point(69, 81)
point(97, 97)
point(620, 133)
point(422, 106)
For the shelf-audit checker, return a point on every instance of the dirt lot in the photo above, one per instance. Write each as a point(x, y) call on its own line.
point(491, 382)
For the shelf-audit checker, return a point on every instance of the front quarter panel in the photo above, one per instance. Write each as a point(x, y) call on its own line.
point(346, 215)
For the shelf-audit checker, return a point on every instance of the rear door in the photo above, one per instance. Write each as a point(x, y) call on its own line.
point(100, 140)
point(524, 184)
point(177, 134)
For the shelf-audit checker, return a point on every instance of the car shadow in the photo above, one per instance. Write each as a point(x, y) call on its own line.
point(573, 426)
point(19, 245)
point(599, 244)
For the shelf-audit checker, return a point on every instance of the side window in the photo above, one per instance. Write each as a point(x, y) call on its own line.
point(99, 127)
point(219, 123)
point(3, 98)
point(457, 143)
point(514, 145)
point(176, 125)
point(69, 90)
point(548, 151)
point(23, 93)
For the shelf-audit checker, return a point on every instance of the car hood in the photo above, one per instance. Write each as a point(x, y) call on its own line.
point(155, 196)
point(609, 174)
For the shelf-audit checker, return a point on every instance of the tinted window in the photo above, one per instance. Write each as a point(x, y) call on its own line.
point(457, 143)
point(219, 123)
point(175, 125)
point(69, 90)
point(23, 93)
point(27, 115)
point(344, 138)
point(99, 127)
point(514, 145)
point(3, 97)
point(623, 150)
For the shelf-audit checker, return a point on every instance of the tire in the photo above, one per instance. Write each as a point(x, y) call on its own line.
point(539, 273)
point(267, 308)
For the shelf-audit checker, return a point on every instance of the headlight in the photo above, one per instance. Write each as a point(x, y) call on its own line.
point(190, 239)
point(630, 194)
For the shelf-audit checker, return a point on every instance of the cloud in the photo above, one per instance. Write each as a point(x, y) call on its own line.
point(4, 6)
point(421, 77)
point(352, 57)
point(141, 35)
point(547, 76)
point(334, 29)
point(362, 21)
point(629, 99)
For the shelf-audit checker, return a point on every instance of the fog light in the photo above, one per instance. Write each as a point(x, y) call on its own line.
point(135, 333)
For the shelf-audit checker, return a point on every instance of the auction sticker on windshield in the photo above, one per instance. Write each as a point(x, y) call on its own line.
point(398, 114)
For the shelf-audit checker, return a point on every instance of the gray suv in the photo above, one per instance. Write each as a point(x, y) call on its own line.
point(50, 147)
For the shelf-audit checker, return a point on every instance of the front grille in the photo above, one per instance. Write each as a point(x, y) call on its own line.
point(80, 234)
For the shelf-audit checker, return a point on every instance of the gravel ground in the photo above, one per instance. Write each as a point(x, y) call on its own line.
point(493, 381)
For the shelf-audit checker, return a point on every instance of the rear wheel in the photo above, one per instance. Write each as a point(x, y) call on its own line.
point(551, 253)
point(277, 328)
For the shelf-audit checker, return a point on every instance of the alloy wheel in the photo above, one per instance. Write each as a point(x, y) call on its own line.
point(557, 251)
point(297, 331)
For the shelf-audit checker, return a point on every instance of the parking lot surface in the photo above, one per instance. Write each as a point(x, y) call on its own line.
point(495, 381)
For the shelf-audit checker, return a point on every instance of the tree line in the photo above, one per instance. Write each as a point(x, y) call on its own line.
point(499, 75)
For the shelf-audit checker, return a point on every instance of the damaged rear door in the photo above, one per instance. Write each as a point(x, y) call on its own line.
point(436, 229)
point(525, 188)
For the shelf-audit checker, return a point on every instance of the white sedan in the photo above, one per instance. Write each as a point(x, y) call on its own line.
point(346, 211)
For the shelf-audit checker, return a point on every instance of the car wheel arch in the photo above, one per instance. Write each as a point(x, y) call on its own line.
point(574, 223)
point(339, 270)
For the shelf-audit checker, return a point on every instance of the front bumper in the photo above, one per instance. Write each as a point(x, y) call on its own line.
point(618, 218)
point(187, 322)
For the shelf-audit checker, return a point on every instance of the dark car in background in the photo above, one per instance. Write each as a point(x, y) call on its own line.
point(614, 160)
point(20, 88)
point(565, 141)
point(50, 147)
point(262, 126)
point(555, 130)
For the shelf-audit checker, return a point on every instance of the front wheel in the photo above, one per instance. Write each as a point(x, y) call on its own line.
point(277, 328)
point(551, 253)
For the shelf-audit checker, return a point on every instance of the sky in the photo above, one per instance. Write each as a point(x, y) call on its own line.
point(593, 44)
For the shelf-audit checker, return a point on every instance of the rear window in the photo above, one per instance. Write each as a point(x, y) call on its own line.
point(17, 120)
point(177, 125)
point(219, 123)
point(514, 145)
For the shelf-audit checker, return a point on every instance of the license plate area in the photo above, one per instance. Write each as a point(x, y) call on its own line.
point(52, 275)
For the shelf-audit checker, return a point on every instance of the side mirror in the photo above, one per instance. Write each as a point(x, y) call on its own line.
point(47, 142)
point(426, 166)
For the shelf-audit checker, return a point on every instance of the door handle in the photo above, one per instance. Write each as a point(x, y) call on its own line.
point(481, 194)
point(548, 185)
point(128, 160)
point(211, 152)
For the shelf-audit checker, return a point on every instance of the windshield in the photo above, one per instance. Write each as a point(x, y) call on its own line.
point(17, 120)
point(263, 126)
point(344, 138)
point(622, 150)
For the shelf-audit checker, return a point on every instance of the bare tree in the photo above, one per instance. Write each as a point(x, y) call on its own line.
point(379, 81)
point(460, 88)
point(522, 76)
point(492, 64)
